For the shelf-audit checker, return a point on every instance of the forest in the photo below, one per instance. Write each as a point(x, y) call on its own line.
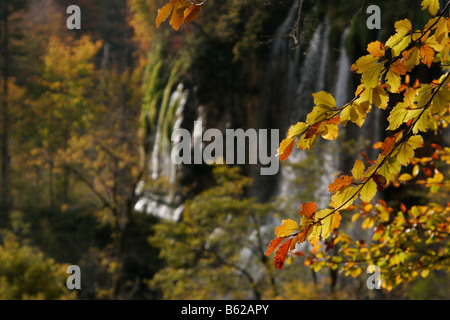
point(347, 102)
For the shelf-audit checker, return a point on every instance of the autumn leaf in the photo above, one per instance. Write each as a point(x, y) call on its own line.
point(177, 17)
point(368, 191)
point(325, 99)
point(343, 198)
point(427, 55)
point(376, 49)
point(401, 39)
point(370, 78)
point(164, 12)
point(314, 234)
point(308, 209)
point(179, 11)
point(364, 63)
point(432, 5)
point(358, 169)
point(406, 151)
point(325, 217)
point(280, 255)
point(285, 148)
point(340, 183)
point(389, 143)
point(286, 228)
point(273, 245)
point(191, 13)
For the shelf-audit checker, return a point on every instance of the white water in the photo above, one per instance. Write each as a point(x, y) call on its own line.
point(161, 164)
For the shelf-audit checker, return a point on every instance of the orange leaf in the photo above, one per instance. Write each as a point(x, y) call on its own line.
point(191, 13)
point(398, 67)
point(176, 19)
point(301, 236)
point(312, 130)
point(316, 248)
point(293, 243)
point(335, 120)
point(340, 183)
point(389, 144)
point(164, 12)
point(280, 255)
point(286, 148)
point(273, 245)
point(376, 49)
point(308, 209)
point(427, 55)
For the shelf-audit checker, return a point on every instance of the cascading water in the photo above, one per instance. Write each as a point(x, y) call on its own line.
point(161, 164)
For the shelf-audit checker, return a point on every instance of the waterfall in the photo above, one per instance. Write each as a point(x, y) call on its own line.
point(170, 118)
point(311, 76)
point(341, 92)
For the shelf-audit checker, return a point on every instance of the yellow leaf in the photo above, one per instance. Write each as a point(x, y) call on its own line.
point(343, 198)
point(323, 98)
point(406, 151)
point(368, 191)
point(425, 273)
point(432, 5)
point(364, 63)
point(325, 217)
point(403, 26)
point(316, 248)
point(314, 234)
point(297, 129)
point(358, 169)
point(319, 113)
point(371, 76)
point(286, 228)
point(411, 57)
point(335, 221)
point(405, 177)
point(393, 81)
point(399, 41)
point(389, 169)
point(380, 97)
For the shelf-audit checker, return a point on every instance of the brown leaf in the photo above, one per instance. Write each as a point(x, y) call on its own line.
point(281, 254)
point(273, 245)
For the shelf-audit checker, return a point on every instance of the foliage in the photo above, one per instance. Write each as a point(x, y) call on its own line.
point(26, 273)
point(217, 246)
point(407, 242)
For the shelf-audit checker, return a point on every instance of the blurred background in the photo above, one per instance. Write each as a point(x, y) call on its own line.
point(86, 121)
